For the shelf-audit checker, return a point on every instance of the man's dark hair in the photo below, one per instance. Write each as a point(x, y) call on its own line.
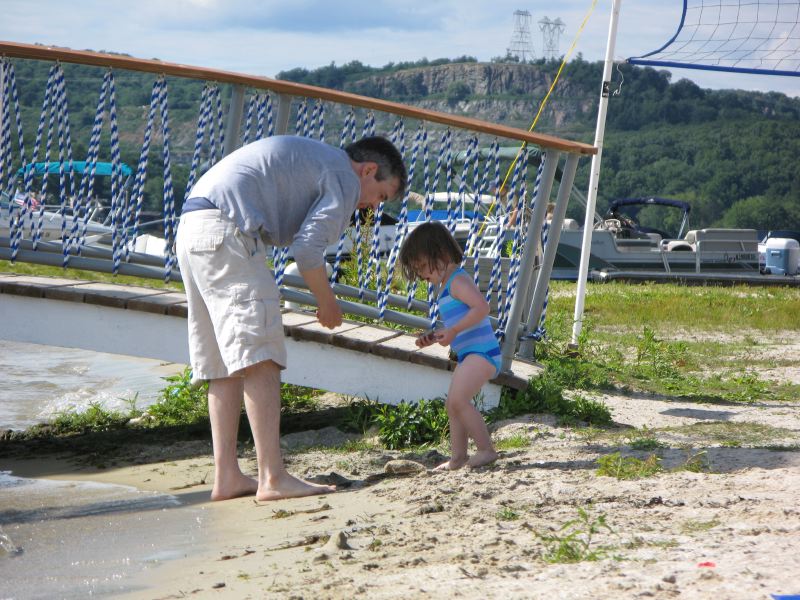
point(382, 152)
point(429, 243)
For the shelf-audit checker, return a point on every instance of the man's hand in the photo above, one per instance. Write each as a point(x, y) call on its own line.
point(329, 314)
point(328, 311)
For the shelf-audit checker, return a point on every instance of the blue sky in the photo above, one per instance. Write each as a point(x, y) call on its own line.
point(267, 36)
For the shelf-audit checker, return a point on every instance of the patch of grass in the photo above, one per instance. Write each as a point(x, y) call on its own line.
point(545, 395)
point(21, 268)
point(726, 433)
point(591, 435)
point(297, 398)
point(514, 442)
point(181, 402)
point(695, 526)
point(695, 463)
point(348, 447)
point(507, 514)
point(594, 412)
point(94, 419)
point(644, 439)
point(617, 356)
point(640, 542)
point(708, 308)
point(628, 467)
point(412, 424)
point(574, 540)
point(360, 415)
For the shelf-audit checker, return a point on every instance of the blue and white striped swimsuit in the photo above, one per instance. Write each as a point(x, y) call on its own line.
point(478, 339)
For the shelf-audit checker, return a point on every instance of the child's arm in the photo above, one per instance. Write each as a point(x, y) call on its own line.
point(464, 289)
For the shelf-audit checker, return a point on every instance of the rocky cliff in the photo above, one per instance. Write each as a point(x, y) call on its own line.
point(498, 92)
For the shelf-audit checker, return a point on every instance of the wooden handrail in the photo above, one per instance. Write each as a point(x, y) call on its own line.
point(84, 57)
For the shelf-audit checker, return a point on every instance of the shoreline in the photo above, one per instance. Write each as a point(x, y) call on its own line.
point(729, 529)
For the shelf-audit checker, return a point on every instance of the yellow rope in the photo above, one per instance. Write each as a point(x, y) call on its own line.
point(541, 109)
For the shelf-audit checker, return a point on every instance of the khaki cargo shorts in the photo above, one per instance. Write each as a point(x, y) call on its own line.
point(234, 305)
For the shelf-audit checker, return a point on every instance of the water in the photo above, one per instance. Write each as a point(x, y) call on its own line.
point(40, 381)
point(65, 539)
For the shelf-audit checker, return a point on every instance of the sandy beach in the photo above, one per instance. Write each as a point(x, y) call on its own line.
point(728, 528)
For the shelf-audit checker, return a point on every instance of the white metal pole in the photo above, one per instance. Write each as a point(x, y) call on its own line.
point(591, 197)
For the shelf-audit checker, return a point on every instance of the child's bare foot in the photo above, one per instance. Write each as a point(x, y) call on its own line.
point(288, 486)
point(484, 457)
point(235, 487)
point(452, 465)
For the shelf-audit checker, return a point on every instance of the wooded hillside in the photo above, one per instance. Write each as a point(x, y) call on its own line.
point(731, 153)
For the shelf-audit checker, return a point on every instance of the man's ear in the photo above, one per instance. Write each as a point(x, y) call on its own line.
point(369, 168)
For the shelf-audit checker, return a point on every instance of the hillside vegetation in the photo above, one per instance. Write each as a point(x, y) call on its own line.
point(730, 153)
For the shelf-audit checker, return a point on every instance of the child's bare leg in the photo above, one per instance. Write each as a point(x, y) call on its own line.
point(468, 379)
point(458, 442)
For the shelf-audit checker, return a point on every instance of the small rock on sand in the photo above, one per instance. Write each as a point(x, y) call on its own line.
point(403, 467)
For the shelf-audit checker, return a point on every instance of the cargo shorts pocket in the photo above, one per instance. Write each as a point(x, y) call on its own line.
point(204, 243)
point(257, 318)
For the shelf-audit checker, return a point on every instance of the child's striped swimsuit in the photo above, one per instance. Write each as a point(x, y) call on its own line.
point(478, 339)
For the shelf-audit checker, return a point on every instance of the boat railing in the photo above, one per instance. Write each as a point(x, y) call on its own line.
point(725, 246)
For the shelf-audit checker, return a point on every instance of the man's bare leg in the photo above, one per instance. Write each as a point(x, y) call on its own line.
point(224, 408)
point(262, 400)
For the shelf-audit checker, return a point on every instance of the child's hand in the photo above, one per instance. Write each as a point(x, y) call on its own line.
point(444, 336)
point(425, 339)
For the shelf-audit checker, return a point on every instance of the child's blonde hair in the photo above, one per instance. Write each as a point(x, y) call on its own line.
point(430, 243)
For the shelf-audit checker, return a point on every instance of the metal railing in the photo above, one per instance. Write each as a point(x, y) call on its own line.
point(531, 285)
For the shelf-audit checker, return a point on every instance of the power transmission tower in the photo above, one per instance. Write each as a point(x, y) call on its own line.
point(521, 45)
point(551, 32)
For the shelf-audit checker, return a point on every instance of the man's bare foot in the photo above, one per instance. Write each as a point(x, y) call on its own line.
point(288, 486)
point(484, 457)
point(452, 465)
point(238, 486)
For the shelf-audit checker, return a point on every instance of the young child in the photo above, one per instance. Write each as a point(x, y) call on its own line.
point(431, 253)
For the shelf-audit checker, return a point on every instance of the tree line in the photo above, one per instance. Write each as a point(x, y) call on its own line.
point(730, 153)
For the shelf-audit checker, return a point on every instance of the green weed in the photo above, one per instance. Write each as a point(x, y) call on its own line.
point(594, 412)
point(574, 541)
point(514, 442)
point(735, 434)
point(94, 419)
point(628, 467)
point(507, 514)
point(694, 526)
point(412, 424)
point(296, 398)
point(696, 463)
point(644, 439)
point(360, 414)
point(545, 395)
point(182, 403)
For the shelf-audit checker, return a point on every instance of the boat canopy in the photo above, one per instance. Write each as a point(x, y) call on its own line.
point(440, 215)
point(102, 169)
point(684, 206)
